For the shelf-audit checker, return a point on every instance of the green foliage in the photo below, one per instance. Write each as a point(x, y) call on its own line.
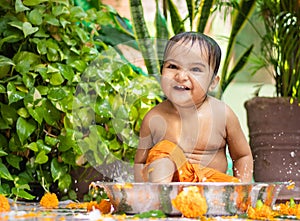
point(65, 93)
point(280, 53)
point(199, 13)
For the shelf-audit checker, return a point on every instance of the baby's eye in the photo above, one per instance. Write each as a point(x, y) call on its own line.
point(196, 69)
point(172, 66)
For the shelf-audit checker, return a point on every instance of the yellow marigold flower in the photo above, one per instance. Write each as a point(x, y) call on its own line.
point(49, 201)
point(4, 204)
point(290, 208)
point(190, 202)
point(261, 213)
point(75, 205)
point(291, 185)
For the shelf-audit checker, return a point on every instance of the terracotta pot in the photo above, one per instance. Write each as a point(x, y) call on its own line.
point(274, 132)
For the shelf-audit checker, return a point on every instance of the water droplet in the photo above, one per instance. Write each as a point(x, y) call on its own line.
point(293, 154)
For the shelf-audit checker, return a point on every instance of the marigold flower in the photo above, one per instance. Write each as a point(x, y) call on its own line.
point(4, 204)
point(49, 201)
point(290, 208)
point(190, 202)
point(77, 205)
point(104, 206)
point(263, 212)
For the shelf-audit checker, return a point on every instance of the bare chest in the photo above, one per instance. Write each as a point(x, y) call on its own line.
point(195, 134)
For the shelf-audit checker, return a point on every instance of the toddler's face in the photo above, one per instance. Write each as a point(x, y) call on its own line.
point(186, 74)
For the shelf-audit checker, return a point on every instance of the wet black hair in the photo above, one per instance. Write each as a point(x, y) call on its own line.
point(205, 42)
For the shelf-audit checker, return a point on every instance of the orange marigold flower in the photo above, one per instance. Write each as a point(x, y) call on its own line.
point(263, 212)
point(75, 205)
point(4, 204)
point(190, 202)
point(104, 206)
point(291, 185)
point(290, 208)
point(49, 201)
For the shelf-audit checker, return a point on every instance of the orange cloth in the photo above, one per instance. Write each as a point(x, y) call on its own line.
point(186, 172)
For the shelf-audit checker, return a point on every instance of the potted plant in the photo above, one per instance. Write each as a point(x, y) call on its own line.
point(273, 122)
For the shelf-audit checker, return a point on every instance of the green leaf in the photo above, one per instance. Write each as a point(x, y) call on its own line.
point(24, 129)
point(33, 146)
point(12, 38)
point(9, 114)
point(33, 2)
point(50, 113)
point(66, 71)
point(13, 94)
point(65, 182)
point(22, 193)
point(56, 93)
point(28, 29)
point(26, 61)
point(41, 158)
point(51, 19)
point(4, 61)
point(35, 105)
point(204, 11)
point(81, 34)
point(191, 9)
point(14, 160)
point(69, 156)
point(259, 204)
point(3, 153)
point(36, 17)
point(19, 7)
point(42, 146)
point(103, 108)
point(66, 142)
point(3, 145)
point(58, 170)
point(56, 79)
point(176, 19)
point(5, 189)
point(4, 173)
point(143, 37)
point(59, 10)
point(239, 65)
point(151, 214)
point(162, 33)
point(51, 141)
point(77, 12)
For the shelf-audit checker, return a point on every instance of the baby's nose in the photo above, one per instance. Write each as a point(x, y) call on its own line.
point(182, 75)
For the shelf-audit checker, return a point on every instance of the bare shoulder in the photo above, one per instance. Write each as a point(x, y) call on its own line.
point(218, 105)
point(160, 109)
point(156, 112)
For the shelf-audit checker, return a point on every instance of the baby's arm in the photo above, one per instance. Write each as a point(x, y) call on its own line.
point(239, 148)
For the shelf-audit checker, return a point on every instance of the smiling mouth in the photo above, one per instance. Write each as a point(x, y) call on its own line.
point(181, 88)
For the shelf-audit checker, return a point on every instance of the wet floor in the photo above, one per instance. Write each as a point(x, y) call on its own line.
point(34, 212)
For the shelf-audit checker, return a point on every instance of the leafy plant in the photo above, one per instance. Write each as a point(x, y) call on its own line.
point(48, 49)
point(198, 16)
point(280, 53)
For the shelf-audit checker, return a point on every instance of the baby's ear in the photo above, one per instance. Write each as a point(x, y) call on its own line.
point(214, 83)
